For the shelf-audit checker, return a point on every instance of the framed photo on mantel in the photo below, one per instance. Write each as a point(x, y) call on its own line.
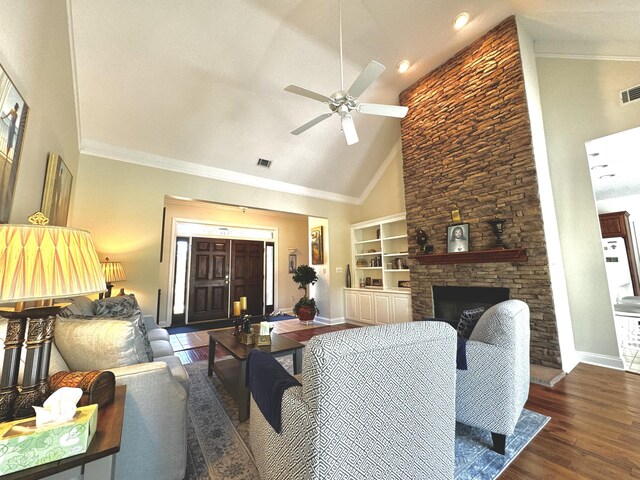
point(458, 238)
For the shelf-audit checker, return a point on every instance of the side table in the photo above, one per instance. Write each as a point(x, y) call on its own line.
point(98, 462)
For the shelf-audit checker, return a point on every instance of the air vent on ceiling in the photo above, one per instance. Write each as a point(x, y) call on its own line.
point(630, 95)
point(264, 163)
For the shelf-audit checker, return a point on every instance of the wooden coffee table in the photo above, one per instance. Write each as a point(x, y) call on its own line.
point(232, 372)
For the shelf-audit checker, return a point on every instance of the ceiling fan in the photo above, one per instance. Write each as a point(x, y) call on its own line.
point(344, 101)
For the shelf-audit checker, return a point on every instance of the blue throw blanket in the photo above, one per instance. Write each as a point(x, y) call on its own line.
point(267, 382)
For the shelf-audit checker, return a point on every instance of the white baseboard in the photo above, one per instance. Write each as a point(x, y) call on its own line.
point(606, 361)
point(329, 321)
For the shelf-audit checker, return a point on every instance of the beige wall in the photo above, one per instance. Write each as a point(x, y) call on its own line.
point(291, 231)
point(121, 204)
point(579, 103)
point(387, 196)
point(35, 53)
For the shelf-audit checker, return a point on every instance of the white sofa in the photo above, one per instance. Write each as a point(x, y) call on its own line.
point(154, 436)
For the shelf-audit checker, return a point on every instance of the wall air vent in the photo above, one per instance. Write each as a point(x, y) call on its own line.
point(630, 95)
point(264, 163)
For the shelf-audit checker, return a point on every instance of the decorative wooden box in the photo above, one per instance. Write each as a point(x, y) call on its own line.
point(247, 338)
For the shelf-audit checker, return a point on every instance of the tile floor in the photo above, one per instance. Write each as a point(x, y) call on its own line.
point(187, 341)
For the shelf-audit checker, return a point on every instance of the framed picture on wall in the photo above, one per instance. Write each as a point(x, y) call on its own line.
point(317, 253)
point(57, 191)
point(13, 121)
point(293, 260)
point(458, 238)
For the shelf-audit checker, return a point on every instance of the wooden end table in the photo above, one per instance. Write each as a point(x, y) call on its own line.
point(232, 372)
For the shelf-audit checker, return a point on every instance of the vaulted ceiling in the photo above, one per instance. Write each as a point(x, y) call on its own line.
point(198, 85)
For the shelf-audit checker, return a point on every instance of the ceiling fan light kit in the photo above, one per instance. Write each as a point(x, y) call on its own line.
point(343, 101)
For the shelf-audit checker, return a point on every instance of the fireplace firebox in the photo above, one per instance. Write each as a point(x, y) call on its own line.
point(449, 302)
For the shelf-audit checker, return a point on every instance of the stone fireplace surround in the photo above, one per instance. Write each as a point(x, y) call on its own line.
point(466, 145)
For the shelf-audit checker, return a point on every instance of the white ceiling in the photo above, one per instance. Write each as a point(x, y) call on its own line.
point(198, 85)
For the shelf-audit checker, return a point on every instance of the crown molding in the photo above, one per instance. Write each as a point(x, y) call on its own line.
point(120, 154)
point(572, 56)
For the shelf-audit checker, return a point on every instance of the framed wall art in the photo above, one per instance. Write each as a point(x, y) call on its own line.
point(293, 260)
point(458, 238)
point(13, 121)
point(57, 191)
point(317, 253)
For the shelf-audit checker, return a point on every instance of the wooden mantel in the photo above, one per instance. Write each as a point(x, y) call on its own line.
point(478, 256)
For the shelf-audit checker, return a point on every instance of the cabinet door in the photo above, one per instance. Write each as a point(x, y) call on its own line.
point(366, 307)
point(350, 305)
point(401, 308)
point(383, 308)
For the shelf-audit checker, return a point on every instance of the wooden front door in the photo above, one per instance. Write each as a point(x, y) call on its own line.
point(209, 294)
point(247, 274)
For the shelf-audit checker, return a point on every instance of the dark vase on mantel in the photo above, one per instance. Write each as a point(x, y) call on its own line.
point(348, 276)
point(497, 224)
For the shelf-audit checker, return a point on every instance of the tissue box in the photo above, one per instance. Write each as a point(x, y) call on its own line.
point(23, 446)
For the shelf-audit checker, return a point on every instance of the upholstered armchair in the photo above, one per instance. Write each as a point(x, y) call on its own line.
point(491, 393)
point(375, 402)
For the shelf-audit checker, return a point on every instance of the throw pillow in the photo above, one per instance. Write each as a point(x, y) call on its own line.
point(468, 320)
point(101, 344)
point(122, 306)
point(77, 306)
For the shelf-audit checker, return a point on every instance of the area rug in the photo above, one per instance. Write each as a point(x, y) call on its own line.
point(218, 445)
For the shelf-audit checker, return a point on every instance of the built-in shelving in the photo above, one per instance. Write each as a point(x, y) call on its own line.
point(387, 237)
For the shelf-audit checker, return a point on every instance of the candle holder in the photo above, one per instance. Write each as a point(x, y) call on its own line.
point(497, 224)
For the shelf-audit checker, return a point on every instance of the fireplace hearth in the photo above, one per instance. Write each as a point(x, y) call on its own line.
point(449, 302)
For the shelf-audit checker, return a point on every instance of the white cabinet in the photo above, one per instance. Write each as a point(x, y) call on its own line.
point(376, 307)
point(380, 252)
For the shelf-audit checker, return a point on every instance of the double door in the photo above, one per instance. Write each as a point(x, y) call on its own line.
point(221, 271)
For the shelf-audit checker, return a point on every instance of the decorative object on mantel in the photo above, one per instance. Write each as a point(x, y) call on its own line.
point(458, 238)
point(455, 215)
point(516, 255)
point(421, 240)
point(113, 272)
point(38, 263)
point(497, 224)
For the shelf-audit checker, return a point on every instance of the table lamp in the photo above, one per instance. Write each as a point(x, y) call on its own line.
point(38, 263)
point(113, 272)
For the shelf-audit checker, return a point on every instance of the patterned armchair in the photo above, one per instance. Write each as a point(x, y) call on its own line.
point(491, 393)
point(375, 402)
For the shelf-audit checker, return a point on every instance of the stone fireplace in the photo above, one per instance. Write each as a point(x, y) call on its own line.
point(466, 145)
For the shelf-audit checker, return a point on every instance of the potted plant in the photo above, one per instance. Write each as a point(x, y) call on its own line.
point(306, 307)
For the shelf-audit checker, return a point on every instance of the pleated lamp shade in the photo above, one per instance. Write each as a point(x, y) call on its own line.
point(39, 262)
point(113, 271)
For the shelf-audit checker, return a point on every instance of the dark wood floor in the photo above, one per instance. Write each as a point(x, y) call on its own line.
point(594, 430)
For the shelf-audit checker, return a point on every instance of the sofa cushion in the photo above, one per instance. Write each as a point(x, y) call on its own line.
point(161, 348)
point(176, 368)
point(100, 344)
point(158, 334)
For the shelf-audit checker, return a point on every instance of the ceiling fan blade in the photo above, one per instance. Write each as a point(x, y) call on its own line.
point(384, 110)
point(308, 93)
point(311, 123)
point(367, 76)
point(349, 129)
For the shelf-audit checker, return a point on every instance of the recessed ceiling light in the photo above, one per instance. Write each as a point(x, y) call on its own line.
point(602, 165)
point(460, 20)
point(608, 175)
point(403, 66)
